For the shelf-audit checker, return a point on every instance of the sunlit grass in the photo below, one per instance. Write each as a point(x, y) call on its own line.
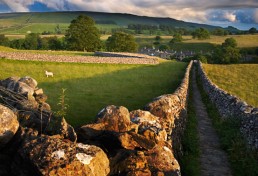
point(90, 87)
point(240, 80)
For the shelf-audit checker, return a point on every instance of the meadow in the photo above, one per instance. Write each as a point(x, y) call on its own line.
point(90, 87)
point(244, 41)
point(240, 80)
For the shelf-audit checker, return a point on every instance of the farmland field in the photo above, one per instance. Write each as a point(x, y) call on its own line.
point(240, 80)
point(90, 87)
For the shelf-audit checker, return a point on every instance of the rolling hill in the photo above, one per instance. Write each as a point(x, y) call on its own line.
point(19, 23)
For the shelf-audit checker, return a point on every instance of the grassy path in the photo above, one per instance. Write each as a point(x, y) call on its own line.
point(213, 159)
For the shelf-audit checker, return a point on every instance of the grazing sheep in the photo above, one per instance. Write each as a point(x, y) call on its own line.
point(49, 73)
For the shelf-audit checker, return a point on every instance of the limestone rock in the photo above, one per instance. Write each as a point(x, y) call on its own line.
point(161, 158)
point(55, 156)
point(58, 125)
point(148, 125)
point(8, 125)
point(165, 107)
point(29, 81)
point(130, 163)
point(11, 80)
point(115, 118)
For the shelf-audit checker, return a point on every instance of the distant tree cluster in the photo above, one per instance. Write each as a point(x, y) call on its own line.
point(220, 32)
point(227, 53)
point(33, 42)
point(121, 42)
point(201, 34)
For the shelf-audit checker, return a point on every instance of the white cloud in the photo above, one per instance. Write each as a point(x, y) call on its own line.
point(18, 6)
point(256, 15)
point(230, 17)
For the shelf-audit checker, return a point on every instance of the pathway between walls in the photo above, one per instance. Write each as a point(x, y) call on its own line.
point(213, 159)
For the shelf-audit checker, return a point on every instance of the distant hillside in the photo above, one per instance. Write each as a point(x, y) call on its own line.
point(36, 21)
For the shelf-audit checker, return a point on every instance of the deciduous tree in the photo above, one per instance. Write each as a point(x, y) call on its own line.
point(83, 35)
point(121, 42)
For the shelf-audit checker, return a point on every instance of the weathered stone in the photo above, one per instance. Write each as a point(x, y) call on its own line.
point(27, 105)
point(55, 156)
point(8, 125)
point(149, 125)
point(29, 81)
point(161, 158)
point(38, 92)
point(115, 118)
point(130, 163)
point(165, 108)
point(23, 88)
point(9, 80)
point(58, 125)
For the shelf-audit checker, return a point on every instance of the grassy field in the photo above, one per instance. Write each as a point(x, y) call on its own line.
point(244, 41)
point(240, 80)
point(90, 87)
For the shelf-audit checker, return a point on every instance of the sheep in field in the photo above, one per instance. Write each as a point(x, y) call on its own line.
point(49, 73)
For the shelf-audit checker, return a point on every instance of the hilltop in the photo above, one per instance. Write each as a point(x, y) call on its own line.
point(11, 23)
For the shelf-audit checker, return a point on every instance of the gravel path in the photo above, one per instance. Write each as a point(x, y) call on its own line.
point(77, 59)
point(214, 161)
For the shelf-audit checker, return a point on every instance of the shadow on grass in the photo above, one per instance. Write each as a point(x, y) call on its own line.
point(132, 88)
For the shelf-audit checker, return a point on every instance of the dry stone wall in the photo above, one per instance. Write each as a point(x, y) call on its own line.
point(122, 59)
point(231, 106)
point(150, 137)
point(137, 143)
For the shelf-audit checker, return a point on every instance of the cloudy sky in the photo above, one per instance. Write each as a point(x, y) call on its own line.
point(239, 13)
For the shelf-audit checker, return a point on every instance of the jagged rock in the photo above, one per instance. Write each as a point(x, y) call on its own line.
point(161, 159)
point(58, 125)
point(51, 155)
point(149, 125)
point(38, 92)
point(131, 140)
point(165, 107)
point(130, 163)
point(115, 118)
point(29, 81)
point(11, 81)
point(27, 105)
point(41, 98)
point(8, 125)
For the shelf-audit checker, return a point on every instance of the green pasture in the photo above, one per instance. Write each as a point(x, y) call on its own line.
point(240, 80)
point(90, 87)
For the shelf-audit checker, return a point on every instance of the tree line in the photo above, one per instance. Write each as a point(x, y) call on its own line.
point(82, 35)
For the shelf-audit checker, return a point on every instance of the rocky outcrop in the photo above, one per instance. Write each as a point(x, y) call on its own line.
point(8, 125)
point(230, 106)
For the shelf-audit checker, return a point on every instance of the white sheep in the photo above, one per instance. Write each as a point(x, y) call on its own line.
point(49, 73)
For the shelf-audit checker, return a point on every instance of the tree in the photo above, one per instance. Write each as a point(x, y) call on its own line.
point(177, 38)
point(252, 30)
point(83, 35)
point(32, 41)
point(201, 34)
point(220, 32)
point(4, 41)
point(121, 42)
point(227, 53)
point(230, 42)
